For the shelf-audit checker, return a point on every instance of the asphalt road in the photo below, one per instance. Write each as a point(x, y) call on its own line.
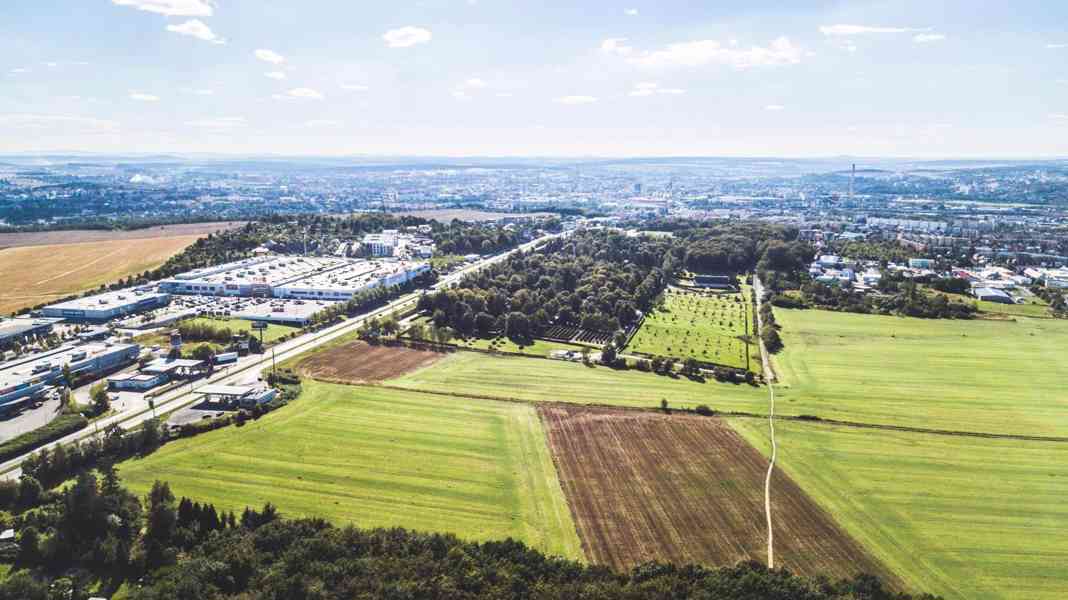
point(28, 420)
point(249, 365)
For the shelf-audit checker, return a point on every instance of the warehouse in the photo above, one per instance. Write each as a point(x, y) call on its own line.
point(991, 295)
point(22, 380)
point(299, 277)
point(14, 331)
point(104, 307)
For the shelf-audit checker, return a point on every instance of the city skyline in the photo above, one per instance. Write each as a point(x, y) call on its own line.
point(473, 79)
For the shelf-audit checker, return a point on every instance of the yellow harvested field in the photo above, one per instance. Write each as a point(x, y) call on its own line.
point(36, 274)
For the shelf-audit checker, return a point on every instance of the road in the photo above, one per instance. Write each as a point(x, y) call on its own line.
point(250, 365)
point(769, 376)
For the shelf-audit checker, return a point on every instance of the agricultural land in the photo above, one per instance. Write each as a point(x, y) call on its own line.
point(991, 376)
point(539, 380)
point(66, 267)
point(685, 488)
point(964, 517)
point(381, 458)
point(360, 362)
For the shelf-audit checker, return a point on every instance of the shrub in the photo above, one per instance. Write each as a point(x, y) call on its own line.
point(703, 409)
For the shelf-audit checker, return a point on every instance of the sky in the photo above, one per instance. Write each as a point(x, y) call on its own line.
point(898, 78)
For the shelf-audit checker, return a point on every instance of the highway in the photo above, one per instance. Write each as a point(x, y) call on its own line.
point(250, 365)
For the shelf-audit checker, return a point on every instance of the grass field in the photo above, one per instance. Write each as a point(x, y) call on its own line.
point(376, 457)
point(963, 517)
point(536, 347)
point(270, 335)
point(39, 274)
point(648, 486)
point(692, 325)
point(985, 376)
point(535, 379)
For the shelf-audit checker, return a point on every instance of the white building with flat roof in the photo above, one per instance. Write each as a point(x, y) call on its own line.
point(107, 306)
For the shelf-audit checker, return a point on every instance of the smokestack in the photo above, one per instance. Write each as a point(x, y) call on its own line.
point(852, 176)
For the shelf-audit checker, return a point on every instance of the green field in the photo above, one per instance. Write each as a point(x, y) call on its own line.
point(533, 379)
point(503, 344)
point(979, 375)
point(271, 334)
point(967, 518)
point(377, 457)
point(703, 327)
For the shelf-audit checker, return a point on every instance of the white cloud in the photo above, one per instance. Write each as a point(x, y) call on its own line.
point(19, 71)
point(774, 107)
point(279, 75)
point(649, 88)
point(173, 8)
point(616, 46)
point(199, 92)
point(406, 37)
point(65, 123)
point(865, 29)
point(142, 97)
point(218, 123)
point(1056, 46)
point(269, 56)
point(780, 52)
point(504, 94)
point(575, 100)
point(306, 93)
point(476, 83)
point(323, 123)
point(630, 12)
point(926, 38)
point(354, 87)
point(461, 95)
point(1059, 116)
point(198, 29)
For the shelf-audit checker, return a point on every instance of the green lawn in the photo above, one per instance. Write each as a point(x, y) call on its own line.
point(534, 379)
point(377, 457)
point(966, 518)
point(690, 325)
point(271, 334)
point(536, 347)
point(979, 375)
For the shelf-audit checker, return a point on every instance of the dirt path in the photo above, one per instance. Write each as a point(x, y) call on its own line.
point(769, 374)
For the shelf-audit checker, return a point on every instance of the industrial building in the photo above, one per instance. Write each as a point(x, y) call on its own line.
point(297, 277)
point(18, 330)
point(28, 378)
point(105, 307)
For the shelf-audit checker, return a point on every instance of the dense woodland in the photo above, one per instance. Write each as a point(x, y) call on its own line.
point(602, 280)
point(95, 536)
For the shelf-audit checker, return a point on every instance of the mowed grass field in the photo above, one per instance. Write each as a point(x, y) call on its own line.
point(540, 380)
point(650, 486)
point(963, 517)
point(693, 325)
point(381, 458)
point(39, 274)
point(980, 375)
point(237, 326)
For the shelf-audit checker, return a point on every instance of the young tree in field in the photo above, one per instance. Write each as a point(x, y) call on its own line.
point(99, 396)
point(608, 354)
point(664, 405)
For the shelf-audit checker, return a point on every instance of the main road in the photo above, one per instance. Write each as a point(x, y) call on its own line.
point(251, 365)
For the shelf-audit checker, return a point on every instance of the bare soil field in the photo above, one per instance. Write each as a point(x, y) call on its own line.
point(684, 488)
point(41, 274)
point(448, 214)
point(360, 362)
point(81, 236)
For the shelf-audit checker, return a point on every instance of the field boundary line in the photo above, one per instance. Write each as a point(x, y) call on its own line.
point(769, 375)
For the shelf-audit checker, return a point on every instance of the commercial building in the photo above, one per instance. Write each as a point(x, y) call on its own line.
point(300, 277)
point(991, 295)
point(25, 379)
point(18, 330)
point(107, 306)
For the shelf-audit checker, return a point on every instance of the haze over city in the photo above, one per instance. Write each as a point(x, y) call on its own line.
point(484, 77)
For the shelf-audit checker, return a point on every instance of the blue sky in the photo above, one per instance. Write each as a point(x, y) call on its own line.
point(490, 77)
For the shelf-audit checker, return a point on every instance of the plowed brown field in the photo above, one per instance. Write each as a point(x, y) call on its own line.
point(360, 362)
point(683, 488)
